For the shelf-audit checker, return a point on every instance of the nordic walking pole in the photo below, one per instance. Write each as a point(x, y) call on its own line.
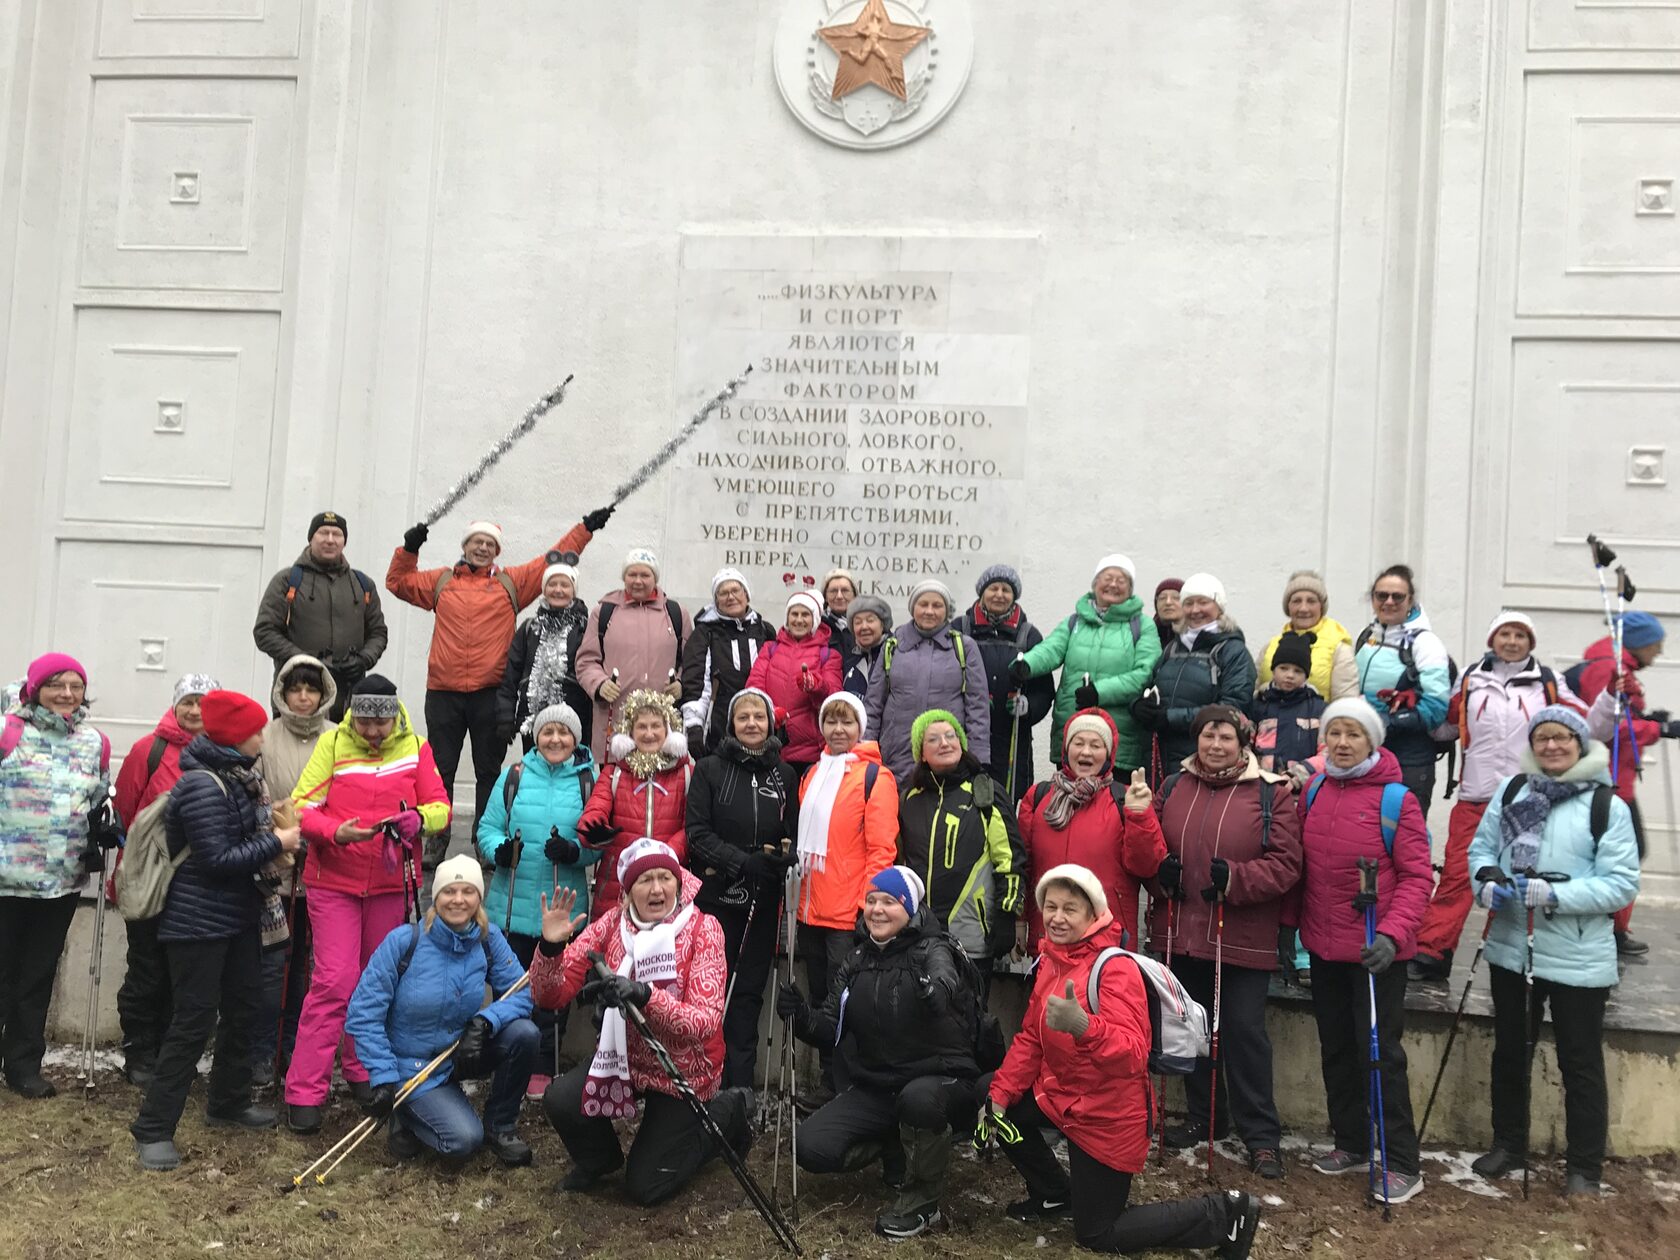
point(286, 972)
point(1452, 1033)
point(755, 1192)
point(1171, 896)
point(1367, 901)
point(513, 882)
point(1668, 785)
point(554, 870)
point(1014, 744)
point(1625, 591)
point(1531, 1038)
point(90, 1029)
point(1213, 1074)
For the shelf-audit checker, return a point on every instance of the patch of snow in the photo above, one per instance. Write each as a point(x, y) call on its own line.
point(1271, 1200)
point(1041, 1241)
point(214, 1246)
point(979, 1198)
point(485, 1202)
point(454, 1218)
point(1460, 1175)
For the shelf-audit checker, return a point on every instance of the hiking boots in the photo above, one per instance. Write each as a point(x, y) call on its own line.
point(1029, 1210)
point(1338, 1161)
point(1242, 1218)
point(1266, 1163)
point(1182, 1137)
point(1578, 1185)
point(251, 1117)
point(139, 1071)
point(508, 1148)
point(1496, 1163)
point(1401, 1187)
point(581, 1178)
point(927, 1160)
point(401, 1142)
point(301, 1118)
point(907, 1224)
point(1629, 947)
point(31, 1085)
point(157, 1156)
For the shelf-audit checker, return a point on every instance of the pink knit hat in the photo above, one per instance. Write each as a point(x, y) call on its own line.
point(49, 666)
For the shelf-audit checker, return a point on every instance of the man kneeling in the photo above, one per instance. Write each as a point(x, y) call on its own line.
point(668, 961)
point(902, 1012)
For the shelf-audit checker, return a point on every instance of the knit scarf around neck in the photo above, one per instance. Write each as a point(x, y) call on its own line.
point(551, 662)
point(1068, 794)
point(1522, 821)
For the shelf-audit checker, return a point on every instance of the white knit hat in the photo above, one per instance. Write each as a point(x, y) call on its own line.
point(1205, 585)
point(1359, 709)
point(810, 601)
point(489, 529)
point(458, 870)
point(1081, 878)
point(850, 701)
point(1115, 561)
point(1510, 617)
point(641, 555)
point(727, 575)
point(560, 566)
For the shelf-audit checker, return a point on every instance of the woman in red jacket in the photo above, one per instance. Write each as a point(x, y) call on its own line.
point(644, 791)
point(1075, 818)
point(799, 669)
point(1083, 1067)
point(1232, 838)
point(1341, 823)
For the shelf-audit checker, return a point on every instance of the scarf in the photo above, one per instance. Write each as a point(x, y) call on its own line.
point(551, 664)
point(650, 956)
point(1353, 772)
point(272, 922)
point(1193, 765)
point(1521, 822)
point(1068, 796)
point(816, 811)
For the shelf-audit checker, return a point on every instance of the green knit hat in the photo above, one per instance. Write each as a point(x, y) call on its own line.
point(919, 727)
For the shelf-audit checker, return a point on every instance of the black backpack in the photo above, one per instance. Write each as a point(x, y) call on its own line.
point(1268, 803)
point(1603, 795)
point(990, 1045)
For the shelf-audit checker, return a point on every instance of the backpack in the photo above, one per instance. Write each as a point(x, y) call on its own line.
point(1393, 801)
point(500, 576)
point(1409, 678)
point(1268, 804)
point(990, 1045)
point(603, 616)
point(359, 581)
point(1603, 794)
point(768, 651)
point(1548, 686)
point(142, 880)
point(1116, 790)
point(414, 944)
point(1136, 623)
point(1178, 1024)
point(957, 640)
point(510, 786)
point(1573, 674)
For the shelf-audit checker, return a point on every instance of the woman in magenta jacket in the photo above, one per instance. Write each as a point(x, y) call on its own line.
point(1342, 822)
point(799, 670)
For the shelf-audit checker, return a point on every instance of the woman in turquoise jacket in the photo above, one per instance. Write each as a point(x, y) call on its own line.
point(539, 799)
point(1555, 857)
point(1106, 651)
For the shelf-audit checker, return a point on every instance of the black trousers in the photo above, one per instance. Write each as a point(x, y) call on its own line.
point(210, 978)
point(143, 1001)
point(1245, 1053)
point(452, 716)
point(670, 1145)
point(550, 1024)
point(32, 934)
point(823, 950)
point(285, 978)
point(750, 955)
point(850, 1129)
point(1342, 1006)
point(1421, 779)
point(1102, 1219)
point(1578, 1027)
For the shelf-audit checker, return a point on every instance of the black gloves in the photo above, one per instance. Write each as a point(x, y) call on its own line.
point(1378, 956)
point(593, 521)
point(1148, 711)
point(507, 853)
point(1170, 875)
point(1219, 871)
point(505, 731)
point(936, 997)
point(415, 537)
point(759, 867)
point(103, 831)
point(1000, 939)
point(1085, 695)
point(619, 991)
point(597, 834)
point(1662, 717)
point(351, 667)
point(381, 1100)
point(1286, 954)
point(1671, 730)
point(790, 1002)
point(559, 850)
point(468, 1059)
point(1019, 670)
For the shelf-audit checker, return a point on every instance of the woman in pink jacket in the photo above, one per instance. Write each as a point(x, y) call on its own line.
point(368, 793)
point(1359, 809)
point(798, 670)
point(633, 641)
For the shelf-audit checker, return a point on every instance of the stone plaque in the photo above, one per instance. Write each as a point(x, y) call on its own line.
point(883, 429)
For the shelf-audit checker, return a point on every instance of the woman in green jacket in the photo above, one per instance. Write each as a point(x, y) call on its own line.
point(1106, 651)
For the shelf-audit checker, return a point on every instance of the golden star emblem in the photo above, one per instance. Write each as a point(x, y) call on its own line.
point(871, 50)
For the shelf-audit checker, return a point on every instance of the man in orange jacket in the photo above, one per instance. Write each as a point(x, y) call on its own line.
point(477, 605)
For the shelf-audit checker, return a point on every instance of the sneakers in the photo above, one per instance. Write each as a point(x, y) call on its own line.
point(1266, 1163)
point(1578, 1186)
point(1339, 1161)
point(895, 1224)
point(1496, 1163)
point(537, 1086)
point(1629, 947)
point(157, 1156)
point(1030, 1210)
point(508, 1148)
point(34, 1085)
point(401, 1142)
point(301, 1118)
point(252, 1117)
point(1241, 1220)
point(1182, 1137)
point(1401, 1187)
point(1428, 967)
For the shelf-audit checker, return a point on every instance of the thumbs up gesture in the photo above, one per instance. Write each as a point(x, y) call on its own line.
point(1138, 796)
point(1064, 1014)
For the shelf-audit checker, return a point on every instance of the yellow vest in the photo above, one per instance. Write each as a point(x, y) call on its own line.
point(1329, 633)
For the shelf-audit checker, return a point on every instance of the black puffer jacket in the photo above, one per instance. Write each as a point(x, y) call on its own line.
point(1000, 642)
point(715, 663)
point(213, 895)
point(840, 639)
point(1217, 670)
point(909, 1009)
point(513, 696)
point(737, 802)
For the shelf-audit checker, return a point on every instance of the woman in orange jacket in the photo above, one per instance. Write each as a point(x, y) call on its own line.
point(848, 831)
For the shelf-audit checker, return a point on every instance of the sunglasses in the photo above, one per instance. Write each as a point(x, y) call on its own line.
point(1389, 597)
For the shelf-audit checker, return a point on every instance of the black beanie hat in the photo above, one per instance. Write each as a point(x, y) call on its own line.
point(1295, 649)
point(328, 518)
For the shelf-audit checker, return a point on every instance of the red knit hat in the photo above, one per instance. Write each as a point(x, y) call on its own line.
point(643, 855)
point(230, 718)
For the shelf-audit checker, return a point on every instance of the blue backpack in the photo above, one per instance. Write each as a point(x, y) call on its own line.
point(1393, 801)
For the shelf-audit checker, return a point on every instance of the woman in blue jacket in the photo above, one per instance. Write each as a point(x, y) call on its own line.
point(539, 799)
point(1406, 675)
point(422, 990)
point(1554, 857)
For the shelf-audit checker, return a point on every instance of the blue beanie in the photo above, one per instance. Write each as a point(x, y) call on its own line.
point(1564, 716)
point(1641, 629)
point(901, 883)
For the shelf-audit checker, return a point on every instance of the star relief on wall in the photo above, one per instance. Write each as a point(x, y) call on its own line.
point(872, 48)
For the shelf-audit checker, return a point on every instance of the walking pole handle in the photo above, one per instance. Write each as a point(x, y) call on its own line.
point(1367, 883)
point(1625, 589)
point(1603, 557)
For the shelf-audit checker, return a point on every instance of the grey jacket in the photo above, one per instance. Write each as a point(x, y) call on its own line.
point(333, 613)
point(918, 672)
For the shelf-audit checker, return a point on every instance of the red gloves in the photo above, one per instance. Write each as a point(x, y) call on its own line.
point(1399, 701)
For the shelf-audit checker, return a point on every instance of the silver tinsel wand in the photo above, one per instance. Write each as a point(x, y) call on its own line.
point(662, 456)
point(536, 411)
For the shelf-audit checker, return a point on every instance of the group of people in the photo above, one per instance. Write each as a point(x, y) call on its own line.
point(699, 796)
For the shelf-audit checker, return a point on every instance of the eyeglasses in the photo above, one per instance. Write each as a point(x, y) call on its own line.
point(941, 737)
point(1389, 597)
point(1565, 738)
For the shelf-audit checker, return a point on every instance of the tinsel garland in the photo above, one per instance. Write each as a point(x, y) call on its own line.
point(663, 455)
point(536, 411)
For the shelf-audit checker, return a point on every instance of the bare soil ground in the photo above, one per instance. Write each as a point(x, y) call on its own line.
point(69, 1187)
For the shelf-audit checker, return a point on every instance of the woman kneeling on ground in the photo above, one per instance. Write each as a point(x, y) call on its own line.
point(421, 991)
point(1083, 1067)
point(1561, 819)
point(667, 960)
point(903, 1012)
